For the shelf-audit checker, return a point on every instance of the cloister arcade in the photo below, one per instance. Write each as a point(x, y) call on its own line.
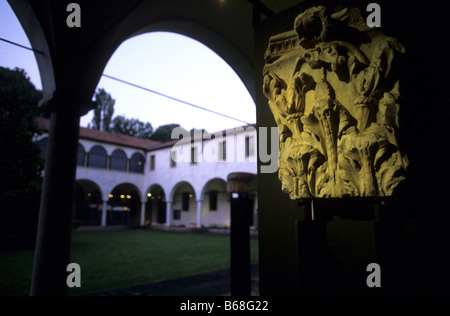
point(125, 206)
point(137, 186)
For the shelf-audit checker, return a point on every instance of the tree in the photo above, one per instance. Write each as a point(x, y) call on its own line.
point(131, 127)
point(104, 110)
point(164, 133)
point(20, 162)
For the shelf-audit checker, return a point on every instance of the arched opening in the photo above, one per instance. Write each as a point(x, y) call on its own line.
point(137, 163)
point(187, 69)
point(156, 208)
point(15, 56)
point(88, 203)
point(98, 158)
point(212, 77)
point(119, 160)
point(124, 205)
point(216, 204)
point(81, 156)
point(184, 205)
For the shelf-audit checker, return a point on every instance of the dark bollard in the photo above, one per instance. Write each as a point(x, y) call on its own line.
point(240, 212)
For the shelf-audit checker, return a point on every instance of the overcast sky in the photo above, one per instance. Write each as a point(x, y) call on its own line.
point(165, 62)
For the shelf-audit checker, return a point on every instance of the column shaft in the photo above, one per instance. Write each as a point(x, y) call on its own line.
point(104, 212)
point(199, 213)
point(143, 207)
point(52, 253)
point(169, 214)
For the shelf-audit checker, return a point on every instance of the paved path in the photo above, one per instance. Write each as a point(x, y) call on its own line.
point(208, 284)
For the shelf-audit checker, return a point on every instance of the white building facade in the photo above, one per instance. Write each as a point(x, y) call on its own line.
point(124, 180)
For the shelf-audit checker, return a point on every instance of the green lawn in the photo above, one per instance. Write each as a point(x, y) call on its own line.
point(111, 260)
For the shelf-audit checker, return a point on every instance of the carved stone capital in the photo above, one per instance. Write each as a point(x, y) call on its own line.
point(334, 92)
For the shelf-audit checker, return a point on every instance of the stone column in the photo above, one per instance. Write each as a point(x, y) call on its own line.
point(199, 213)
point(52, 254)
point(104, 212)
point(169, 214)
point(86, 159)
point(143, 207)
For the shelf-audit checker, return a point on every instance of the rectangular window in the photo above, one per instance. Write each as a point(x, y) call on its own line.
point(213, 200)
point(249, 146)
point(193, 155)
point(176, 215)
point(223, 151)
point(152, 163)
point(186, 198)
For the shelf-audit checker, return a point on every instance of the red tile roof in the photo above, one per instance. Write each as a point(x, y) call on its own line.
point(105, 137)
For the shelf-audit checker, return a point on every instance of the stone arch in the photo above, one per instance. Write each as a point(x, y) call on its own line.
point(155, 188)
point(88, 202)
point(215, 181)
point(124, 203)
point(81, 156)
point(216, 204)
point(33, 29)
point(98, 157)
point(137, 163)
point(119, 160)
point(184, 204)
point(204, 22)
point(180, 186)
point(156, 207)
point(218, 44)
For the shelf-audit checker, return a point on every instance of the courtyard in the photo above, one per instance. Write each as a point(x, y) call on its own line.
point(121, 259)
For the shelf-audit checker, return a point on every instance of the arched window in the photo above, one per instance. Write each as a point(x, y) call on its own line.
point(43, 143)
point(98, 157)
point(137, 163)
point(119, 160)
point(80, 158)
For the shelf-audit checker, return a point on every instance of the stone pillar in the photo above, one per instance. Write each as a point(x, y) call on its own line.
point(52, 253)
point(86, 159)
point(199, 213)
point(143, 207)
point(241, 211)
point(169, 214)
point(104, 212)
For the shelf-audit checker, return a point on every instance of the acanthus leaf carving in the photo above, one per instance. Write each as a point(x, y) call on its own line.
point(333, 92)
